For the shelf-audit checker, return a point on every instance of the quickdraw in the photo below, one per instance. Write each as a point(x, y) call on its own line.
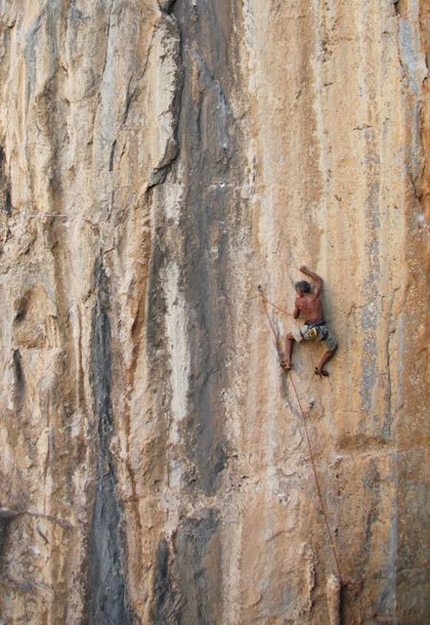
point(311, 333)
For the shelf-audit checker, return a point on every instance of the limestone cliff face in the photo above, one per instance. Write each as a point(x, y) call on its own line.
point(158, 161)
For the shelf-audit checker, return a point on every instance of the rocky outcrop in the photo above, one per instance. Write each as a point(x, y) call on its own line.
point(158, 161)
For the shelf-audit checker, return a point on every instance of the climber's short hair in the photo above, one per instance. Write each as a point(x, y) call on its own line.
point(303, 286)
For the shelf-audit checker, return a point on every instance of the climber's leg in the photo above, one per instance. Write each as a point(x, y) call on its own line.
point(319, 369)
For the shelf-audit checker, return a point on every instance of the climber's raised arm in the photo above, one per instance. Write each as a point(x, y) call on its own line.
point(315, 277)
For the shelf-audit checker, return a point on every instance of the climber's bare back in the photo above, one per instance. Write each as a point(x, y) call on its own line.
point(310, 307)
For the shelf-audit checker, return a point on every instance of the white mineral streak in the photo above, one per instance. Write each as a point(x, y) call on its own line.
point(160, 89)
point(178, 342)
point(333, 600)
point(175, 200)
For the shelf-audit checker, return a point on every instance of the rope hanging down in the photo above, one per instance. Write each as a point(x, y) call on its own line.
point(265, 301)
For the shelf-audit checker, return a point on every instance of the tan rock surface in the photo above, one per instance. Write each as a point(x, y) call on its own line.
point(158, 161)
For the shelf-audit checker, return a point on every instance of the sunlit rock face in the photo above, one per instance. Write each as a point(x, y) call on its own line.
point(159, 161)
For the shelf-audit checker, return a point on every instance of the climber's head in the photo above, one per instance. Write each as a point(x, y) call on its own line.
point(303, 287)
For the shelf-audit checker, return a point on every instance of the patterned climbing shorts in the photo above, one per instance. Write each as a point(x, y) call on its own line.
point(315, 333)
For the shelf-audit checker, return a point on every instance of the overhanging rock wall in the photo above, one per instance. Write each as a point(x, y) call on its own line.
point(158, 161)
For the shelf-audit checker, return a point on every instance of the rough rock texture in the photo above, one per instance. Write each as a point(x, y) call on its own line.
point(158, 161)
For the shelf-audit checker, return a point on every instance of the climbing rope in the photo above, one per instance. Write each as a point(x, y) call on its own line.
point(265, 301)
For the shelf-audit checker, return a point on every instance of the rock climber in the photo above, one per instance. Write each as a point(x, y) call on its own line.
point(309, 306)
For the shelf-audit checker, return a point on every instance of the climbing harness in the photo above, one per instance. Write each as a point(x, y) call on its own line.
point(265, 301)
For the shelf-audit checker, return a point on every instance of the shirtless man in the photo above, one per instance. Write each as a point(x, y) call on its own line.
point(309, 305)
